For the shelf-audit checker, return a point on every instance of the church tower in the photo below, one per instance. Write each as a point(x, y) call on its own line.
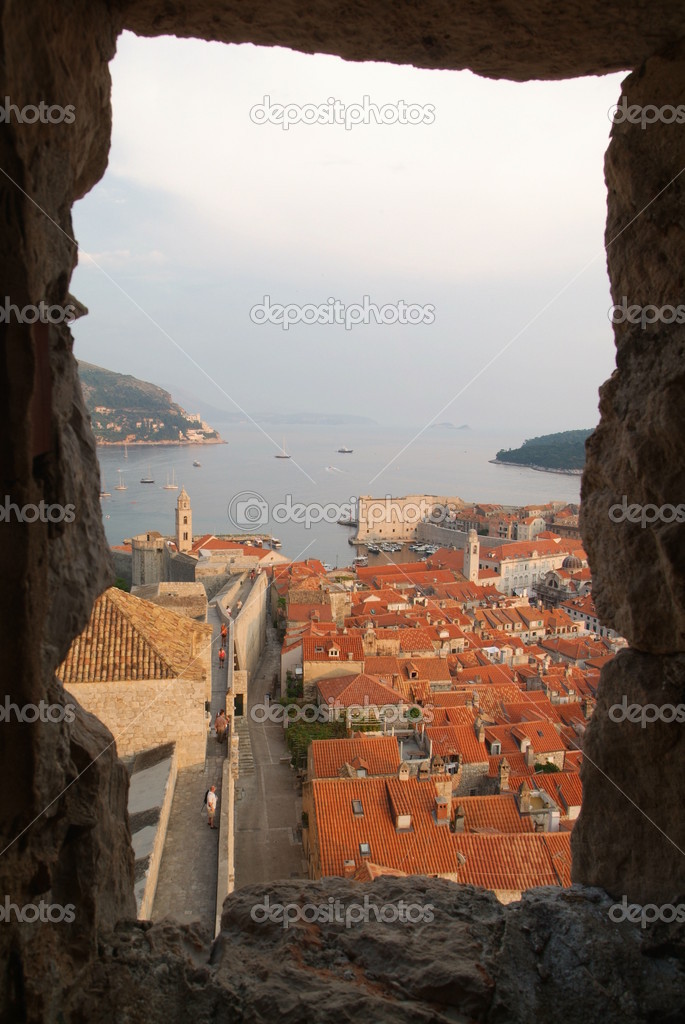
point(471, 556)
point(184, 522)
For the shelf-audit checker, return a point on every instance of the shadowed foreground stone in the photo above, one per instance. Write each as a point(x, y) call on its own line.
point(556, 955)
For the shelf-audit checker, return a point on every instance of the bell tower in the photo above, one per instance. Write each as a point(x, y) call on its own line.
point(471, 555)
point(184, 522)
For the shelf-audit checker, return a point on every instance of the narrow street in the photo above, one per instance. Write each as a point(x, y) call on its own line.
point(268, 806)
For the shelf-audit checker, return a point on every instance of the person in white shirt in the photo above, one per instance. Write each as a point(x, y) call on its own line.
point(211, 806)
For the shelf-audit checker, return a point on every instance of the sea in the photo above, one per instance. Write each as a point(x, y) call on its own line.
point(240, 487)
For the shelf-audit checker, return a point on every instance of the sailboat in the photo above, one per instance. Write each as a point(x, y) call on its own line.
point(104, 493)
point(283, 453)
point(125, 451)
point(121, 486)
point(149, 479)
point(173, 486)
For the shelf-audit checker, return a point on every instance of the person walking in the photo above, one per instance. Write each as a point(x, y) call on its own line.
point(224, 634)
point(211, 806)
point(221, 725)
point(222, 657)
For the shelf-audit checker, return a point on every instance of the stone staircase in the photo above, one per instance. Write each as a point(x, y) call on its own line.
point(245, 758)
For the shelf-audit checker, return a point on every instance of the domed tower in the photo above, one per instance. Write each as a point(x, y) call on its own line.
point(184, 522)
point(572, 562)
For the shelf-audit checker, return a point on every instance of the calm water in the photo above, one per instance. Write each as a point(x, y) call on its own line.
point(245, 470)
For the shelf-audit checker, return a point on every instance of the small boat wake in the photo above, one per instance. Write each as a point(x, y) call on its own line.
point(334, 469)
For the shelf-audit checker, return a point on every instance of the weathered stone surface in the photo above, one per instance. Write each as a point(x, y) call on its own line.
point(638, 572)
point(630, 837)
point(79, 850)
point(535, 39)
point(556, 955)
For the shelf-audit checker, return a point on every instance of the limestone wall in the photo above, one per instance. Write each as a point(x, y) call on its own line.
point(150, 713)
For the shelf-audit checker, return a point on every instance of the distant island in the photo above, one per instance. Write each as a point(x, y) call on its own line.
point(550, 453)
point(446, 425)
point(125, 410)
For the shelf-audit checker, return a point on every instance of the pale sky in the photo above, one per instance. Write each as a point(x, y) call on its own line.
point(493, 214)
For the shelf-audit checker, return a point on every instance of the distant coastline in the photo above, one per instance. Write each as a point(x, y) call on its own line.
point(539, 469)
point(160, 444)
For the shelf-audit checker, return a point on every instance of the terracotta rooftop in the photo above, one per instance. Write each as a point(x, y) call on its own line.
point(128, 639)
point(381, 755)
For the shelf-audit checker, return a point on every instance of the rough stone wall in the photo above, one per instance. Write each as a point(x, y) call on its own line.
point(64, 833)
point(631, 831)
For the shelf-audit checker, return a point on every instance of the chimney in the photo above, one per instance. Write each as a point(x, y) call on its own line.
point(458, 821)
point(504, 772)
point(349, 655)
point(442, 810)
point(480, 729)
point(349, 868)
point(529, 756)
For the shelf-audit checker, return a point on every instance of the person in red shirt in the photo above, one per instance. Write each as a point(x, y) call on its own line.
point(222, 657)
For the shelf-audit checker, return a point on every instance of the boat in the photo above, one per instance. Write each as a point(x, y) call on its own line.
point(283, 453)
point(327, 566)
point(275, 542)
point(374, 549)
point(173, 486)
point(361, 560)
point(196, 463)
point(121, 486)
point(104, 493)
point(387, 547)
point(345, 451)
point(149, 479)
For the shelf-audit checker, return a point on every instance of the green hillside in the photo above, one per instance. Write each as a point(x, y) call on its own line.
point(125, 409)
point(563, 452)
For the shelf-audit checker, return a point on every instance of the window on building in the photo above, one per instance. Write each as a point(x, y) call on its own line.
point(357, 808)
point(365, 849)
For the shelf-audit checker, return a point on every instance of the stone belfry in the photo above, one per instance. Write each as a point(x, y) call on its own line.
point(471, 555)
point(184, 522)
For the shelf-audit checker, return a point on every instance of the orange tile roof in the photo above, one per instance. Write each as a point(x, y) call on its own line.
point(457, 739)
point(493, 813)
point(345, 644)
point(544, 738)
point(362, 689)
point(128, 638)
point(381, 754)
point(515, 861)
